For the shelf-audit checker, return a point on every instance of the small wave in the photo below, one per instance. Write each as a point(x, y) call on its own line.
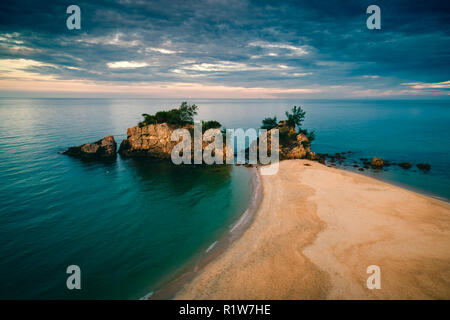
point(240, 221)
point(211, 246)
point(148, 295)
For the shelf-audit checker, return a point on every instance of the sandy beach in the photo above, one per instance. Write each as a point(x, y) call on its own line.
point(316, 232)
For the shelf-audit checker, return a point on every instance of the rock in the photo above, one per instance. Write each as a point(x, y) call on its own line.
point(376, 162)
point(312, 156)
point(405, 165)
point(154, 141)
point(151, 140)
point(361, 169)
point(104, 148)
point(424, 166)
point(297, 150)
point(292, 146)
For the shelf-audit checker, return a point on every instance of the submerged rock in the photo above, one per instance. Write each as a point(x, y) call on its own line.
point(376, 162)
point(104, 148)
point(405, 165)
point(424, 166)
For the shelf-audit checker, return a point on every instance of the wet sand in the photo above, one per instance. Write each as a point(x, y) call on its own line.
point(316, 232)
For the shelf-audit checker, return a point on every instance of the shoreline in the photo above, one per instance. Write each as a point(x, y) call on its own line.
point(169, 288)
point(316, 231)
point(401, 185)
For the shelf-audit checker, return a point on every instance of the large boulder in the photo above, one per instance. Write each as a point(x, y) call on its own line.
point(154, 141)
point(297, 150)
point(151, 140)
point(104, 148)
point(291, 144)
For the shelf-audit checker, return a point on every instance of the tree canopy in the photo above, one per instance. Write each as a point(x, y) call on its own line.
point(295, 117)
point(269, 123)
point(181, 116)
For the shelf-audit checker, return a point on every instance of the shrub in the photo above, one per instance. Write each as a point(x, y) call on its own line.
point(311, 135)
point(148, 119)
point(181, 116)
point(269, 123)
point(212, 124)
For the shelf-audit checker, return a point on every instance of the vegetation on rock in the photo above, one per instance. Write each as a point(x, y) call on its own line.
point(269, 123)
point(182, 116)
point(288, 128)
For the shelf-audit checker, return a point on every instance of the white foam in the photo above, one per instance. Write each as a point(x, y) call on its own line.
point(211, 246)
point(148, 295)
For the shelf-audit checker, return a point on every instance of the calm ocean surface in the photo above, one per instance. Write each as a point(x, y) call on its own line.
point(131, 224)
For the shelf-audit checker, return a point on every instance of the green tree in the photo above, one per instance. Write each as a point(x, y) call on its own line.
point(296, 117)
point(181, 116)
point(269, 123)
point(148, 119)
point(187, 112)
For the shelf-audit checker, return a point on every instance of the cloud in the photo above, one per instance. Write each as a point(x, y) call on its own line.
point(246, 44)
point(23, 69)
point(230, 66)
point(116, 39)
point(126, 65)
point(422, 85)
point(161, 50)
point(290, 50)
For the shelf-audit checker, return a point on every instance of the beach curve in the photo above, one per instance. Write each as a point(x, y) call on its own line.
point(169, 288)
point(316, 232)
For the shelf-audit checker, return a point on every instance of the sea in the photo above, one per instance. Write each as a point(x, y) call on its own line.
point(133, 225)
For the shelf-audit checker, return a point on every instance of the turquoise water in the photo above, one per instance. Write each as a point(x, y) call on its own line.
point(132, 224)
point(128, 224)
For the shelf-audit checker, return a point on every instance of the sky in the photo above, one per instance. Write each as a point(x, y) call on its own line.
point(225, 49)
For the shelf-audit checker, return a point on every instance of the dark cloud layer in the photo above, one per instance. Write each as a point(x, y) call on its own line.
point(287, 44)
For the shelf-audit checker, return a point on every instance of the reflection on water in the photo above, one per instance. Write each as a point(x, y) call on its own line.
point(180, 178)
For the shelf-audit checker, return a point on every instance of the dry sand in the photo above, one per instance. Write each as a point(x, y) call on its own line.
point(316, 232)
